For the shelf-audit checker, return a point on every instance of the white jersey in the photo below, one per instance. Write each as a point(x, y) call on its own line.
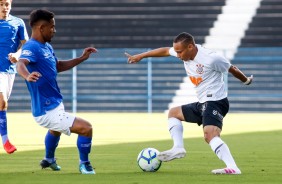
point(206, 73)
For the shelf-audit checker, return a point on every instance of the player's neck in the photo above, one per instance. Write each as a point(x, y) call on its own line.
point(195, 51)
point(3, 18)
point(38, 38)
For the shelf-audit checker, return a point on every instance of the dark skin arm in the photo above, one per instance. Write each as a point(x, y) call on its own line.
point(22, 70)
point(61, 65)
point(240, 75)
point(68, 64)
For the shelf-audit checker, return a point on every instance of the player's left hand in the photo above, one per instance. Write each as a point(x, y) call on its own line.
point(249, 80)
point(87, 51)
point(13, 57)
point(133, 58)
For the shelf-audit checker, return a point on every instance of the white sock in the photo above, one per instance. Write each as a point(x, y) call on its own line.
point(176, 131)
point(223, 153)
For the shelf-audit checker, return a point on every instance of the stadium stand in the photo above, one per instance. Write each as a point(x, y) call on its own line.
point(260, 54)
point(124, 23)
point(109, 84)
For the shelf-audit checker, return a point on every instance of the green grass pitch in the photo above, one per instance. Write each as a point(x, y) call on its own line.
point(258, 154)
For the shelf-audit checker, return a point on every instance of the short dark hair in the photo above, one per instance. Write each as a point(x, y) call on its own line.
point(37, 15)
point(184, 37)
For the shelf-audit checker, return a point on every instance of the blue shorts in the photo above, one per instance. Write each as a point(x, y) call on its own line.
point(208, 113)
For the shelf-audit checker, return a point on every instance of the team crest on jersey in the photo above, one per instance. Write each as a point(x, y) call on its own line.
point(26, 53)
point(200, 69)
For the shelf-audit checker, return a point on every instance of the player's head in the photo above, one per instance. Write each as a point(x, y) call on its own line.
point(184, 46)
point(42, 23)
point(5, 8)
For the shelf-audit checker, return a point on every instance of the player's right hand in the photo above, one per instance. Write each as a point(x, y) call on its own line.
point(13, 57)
point(132, 59)
point(249, 80)
point(33, 77)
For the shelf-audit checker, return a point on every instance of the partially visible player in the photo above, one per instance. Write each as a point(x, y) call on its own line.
point(39, 66)
point(205, 68)
point(13, 35)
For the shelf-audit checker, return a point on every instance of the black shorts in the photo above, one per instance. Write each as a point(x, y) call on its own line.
point(208, 113)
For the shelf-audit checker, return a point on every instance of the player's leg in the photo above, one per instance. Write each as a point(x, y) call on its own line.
point(6, 83)
point(220, 148)
point(57, 121)
point(212, 122)
point(84, 142)
point(175, 116)
point(52, 139)
point(175, 128)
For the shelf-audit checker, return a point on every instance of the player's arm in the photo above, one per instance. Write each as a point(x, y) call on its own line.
point(160, 52)
point(240, 75)
point(14, 57)
point(68, 64)
point(22, 70)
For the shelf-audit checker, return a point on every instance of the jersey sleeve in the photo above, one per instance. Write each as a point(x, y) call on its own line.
point(172, 52)
point(29, 53)
point(221, 64)
point(22, 31)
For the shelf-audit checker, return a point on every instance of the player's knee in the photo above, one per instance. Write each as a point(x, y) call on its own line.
point(174, 113)
point(87, 130)
point(207, 137)
point(210, 132)
point(55, 133)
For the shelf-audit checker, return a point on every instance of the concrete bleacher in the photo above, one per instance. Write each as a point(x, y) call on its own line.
point(266, 27)
point(117, 86)
point(124, 24)
point(260, 54)
point(265, 93)
point(106, 82)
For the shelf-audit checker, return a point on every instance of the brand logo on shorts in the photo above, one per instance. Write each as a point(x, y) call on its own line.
point(216, 113)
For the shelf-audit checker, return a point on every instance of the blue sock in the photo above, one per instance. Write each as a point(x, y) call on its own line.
point(3, 126)
point(84, 147)
point(51, 143)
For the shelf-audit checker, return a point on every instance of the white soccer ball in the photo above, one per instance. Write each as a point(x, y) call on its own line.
point(147, 160)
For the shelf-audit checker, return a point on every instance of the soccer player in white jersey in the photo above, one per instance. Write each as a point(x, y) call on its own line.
point(13, 35)
point(39, 66)
point(205, 69)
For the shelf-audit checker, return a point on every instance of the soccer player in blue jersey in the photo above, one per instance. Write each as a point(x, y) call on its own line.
point(39, 66)
point(13, 35)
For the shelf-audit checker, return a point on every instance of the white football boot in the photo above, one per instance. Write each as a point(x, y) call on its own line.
point(226, 171)
point(171, 154)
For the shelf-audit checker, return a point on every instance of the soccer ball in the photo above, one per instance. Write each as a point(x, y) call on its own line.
point(147, 160)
